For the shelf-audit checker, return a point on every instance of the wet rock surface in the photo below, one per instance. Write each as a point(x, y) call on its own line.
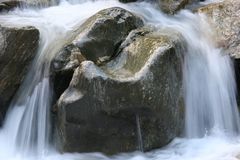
point(63, 66)
point(172, 6)
point(102, 106)
point(98, 39)
point(18, 46)
point(102, 33)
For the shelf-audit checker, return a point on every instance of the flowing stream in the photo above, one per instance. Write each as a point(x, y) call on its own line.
point(212, 120)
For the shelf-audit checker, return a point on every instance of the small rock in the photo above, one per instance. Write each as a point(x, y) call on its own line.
point(172, 6)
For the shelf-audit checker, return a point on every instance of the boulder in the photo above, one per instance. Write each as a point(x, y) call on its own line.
point(18, 46)
point(132, 102)
point(98, 39)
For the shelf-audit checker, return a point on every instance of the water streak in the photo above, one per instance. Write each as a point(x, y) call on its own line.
point(139, 132)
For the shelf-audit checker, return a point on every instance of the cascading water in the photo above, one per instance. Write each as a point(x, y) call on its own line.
point(211, 110)
point(212, 104)
point(33, 100)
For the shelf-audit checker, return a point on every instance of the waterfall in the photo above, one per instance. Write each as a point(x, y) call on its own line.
point(33, 100)
point(208, 81)
point(210, 88)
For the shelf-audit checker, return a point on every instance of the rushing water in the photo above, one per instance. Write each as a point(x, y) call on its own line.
point(212, 119)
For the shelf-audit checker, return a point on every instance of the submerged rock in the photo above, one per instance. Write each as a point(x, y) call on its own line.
point(17, 48)
point(135, 97)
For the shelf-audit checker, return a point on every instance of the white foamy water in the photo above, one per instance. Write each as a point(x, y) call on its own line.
point(212, 119)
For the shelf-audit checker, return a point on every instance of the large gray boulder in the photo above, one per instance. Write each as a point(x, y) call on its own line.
point(98, 40)
point(132, 102)
point(17, 48)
